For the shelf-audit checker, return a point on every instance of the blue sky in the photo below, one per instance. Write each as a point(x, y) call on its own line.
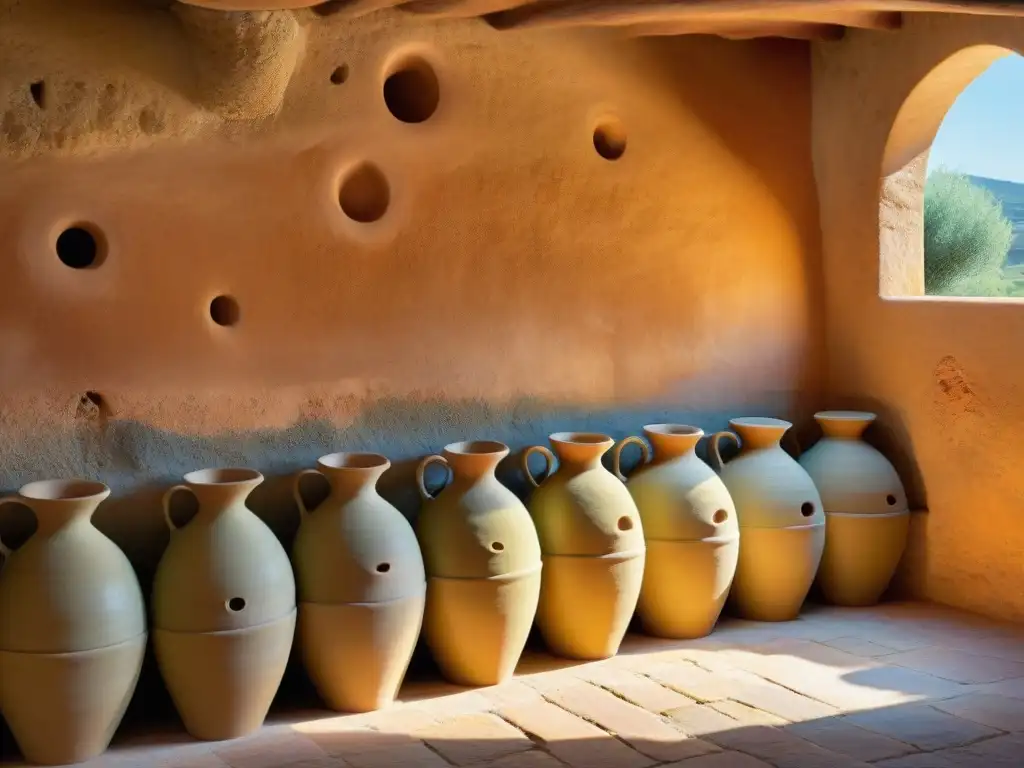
point(983, 132)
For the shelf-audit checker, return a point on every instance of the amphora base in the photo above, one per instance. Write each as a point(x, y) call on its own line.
point(476, 629)
point(775, 571)
point(685, 586)
point(861, 555)
point(357, 653)
point(223, 683)
point(586, 603)
point(65, 707)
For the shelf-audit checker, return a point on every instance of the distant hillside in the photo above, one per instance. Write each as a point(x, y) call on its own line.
point(1011, 195)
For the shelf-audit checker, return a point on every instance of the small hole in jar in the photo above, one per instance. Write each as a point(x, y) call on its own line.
point(340, 74)
point(497, 546)
point(625, 523)
point(236, 604)
point(890, 500)
point(720, 517)
point(383, 567)
point(807, 509)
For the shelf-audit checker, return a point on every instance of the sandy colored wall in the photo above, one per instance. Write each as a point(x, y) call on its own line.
point(942, 373)
point(518, 282)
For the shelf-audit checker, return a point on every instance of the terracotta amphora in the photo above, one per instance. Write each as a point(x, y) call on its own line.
point(223, 608)
point(782, 523)
point(72, 627)
point(483, 566)
point(361, 586)
point(593, 548)
point(866, 508)
point(691, 529)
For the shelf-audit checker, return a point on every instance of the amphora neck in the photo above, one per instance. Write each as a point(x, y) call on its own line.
point(757, 433)
point(220, 489)
point(58, 504)
point(582, 449)
point(844, 425)
point(670, 441)
point(474, 459)
point(350, 474)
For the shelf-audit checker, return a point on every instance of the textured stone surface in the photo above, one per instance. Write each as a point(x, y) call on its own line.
point(517, 284)
point(556, 713)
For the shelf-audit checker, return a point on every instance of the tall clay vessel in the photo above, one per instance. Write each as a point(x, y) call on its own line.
point(223, 608)
point(593, 548)
point(483, 567)
point(691, 529)
point(782, 523)
point(72, 627)
point(866, 508)
point(361, 586)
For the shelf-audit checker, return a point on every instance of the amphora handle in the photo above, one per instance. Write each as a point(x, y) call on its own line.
point(4, 549)
point(645, 455)
point(167, 504)
point(297, 489)
point(715, 453)
point(549, 461)
point(421, 472)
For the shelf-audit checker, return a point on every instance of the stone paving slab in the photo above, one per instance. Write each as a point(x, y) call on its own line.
point(905, 685)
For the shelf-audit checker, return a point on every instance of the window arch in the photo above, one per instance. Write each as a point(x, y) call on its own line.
point(905, 165)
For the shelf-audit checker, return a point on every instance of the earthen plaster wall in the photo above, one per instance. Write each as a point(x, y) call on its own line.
point(943, 373)
point(517, 283)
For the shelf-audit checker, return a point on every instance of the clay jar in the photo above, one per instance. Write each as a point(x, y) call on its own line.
point(223, 608)
point(866, 508)
point(361, 586)
point(782, 524)
point(483, 567)
point(691, 529)
point(593, 548)
point(73, 627)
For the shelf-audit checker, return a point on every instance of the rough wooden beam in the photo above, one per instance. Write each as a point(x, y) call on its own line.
point(553, 13)
point(458, 9)
point(352, 8)
point(856, 19)
point(790, 30)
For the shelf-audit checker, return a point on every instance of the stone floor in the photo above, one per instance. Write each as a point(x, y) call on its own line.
point(900, 686)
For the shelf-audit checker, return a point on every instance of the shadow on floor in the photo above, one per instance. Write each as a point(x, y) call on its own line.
point(899, 686)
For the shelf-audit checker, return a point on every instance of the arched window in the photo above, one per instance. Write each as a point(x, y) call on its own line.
point(952, 197)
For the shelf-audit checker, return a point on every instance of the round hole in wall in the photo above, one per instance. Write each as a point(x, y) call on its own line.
point(80, 247)
point(890, 500)
point(412, 91)
point(807, 509)
point(364, 195)
point(720, 517)
point(340, 74)
point(625, 523)
point(224, 310)
point(610, 139)
point(497, 546)
point(383, 567)
point(236, 604)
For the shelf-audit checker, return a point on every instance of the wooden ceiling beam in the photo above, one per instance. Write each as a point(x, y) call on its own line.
point(458, 9)
point(789, 30)
point(870, 14)
point(352, 8)
point(856, 18)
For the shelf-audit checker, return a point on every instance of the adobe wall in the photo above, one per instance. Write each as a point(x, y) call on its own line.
point(943, 374)
point(517, 282)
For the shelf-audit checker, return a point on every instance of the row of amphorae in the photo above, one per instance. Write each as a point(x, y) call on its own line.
point(671, 544)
